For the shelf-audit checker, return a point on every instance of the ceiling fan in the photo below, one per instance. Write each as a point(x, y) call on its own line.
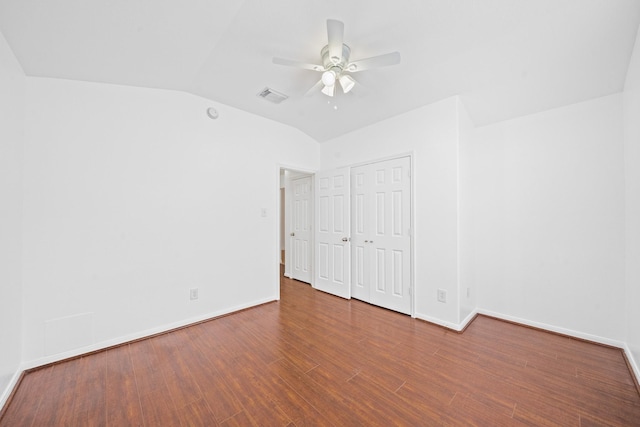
point(336, 64)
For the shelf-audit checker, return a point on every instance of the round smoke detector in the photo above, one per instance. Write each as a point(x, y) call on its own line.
point(212, 113)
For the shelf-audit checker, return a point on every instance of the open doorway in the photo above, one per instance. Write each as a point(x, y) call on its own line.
point(296, 224)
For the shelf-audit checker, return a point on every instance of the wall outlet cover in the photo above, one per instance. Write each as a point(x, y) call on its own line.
point(442, 295)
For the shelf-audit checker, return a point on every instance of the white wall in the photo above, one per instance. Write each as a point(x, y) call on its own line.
point(547, 212)
point(12, 87)
point(431, 133)
point(632, 195)
point(133, 196)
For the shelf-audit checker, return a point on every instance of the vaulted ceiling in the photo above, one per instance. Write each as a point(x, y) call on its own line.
point(505, 58)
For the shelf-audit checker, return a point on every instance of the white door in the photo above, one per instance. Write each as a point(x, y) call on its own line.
point(332, 232)
point(381, 239)
point(301, 230)
point(360, 219)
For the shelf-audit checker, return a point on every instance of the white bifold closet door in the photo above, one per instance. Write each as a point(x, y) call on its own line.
point(332, 270)
point(381, 234)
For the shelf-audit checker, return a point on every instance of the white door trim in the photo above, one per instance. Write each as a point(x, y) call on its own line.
point(299, 171)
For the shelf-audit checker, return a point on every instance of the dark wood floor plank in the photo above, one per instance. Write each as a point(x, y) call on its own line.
point(215, 389)
point(540, 411)
point(149, 378)
point(197, 414)
point(173, 362)
point(433, 392)
point(159, 410)
point(621, 386)
point(297, 409)
point(314, 359)
point(332, 403)
point(240, 419)
point(386, 406)
point(63, 393)
point(327, 357)
point(26, 402)
point(122, 398)
point(67, 374)
point(239, 368)
point(257, 403)
point(90, 403)
point(467, 410)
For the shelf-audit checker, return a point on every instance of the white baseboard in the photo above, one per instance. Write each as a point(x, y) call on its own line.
point(569, 332)
point(449, 325)
point(556, 329)
point(465, 322)
point(31, 364)
point(7, 391)
point(632, 361)
point(635, 368)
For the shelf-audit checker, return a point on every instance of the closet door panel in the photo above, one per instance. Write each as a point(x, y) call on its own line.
point(361, 264)
point(381, 241)
point(332, 232)
point(391, 238)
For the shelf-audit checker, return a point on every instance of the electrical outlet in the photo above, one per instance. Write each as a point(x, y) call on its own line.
point(442, 295)
point(193, 294)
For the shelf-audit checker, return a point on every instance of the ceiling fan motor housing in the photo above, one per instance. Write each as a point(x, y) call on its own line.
point(330, 62)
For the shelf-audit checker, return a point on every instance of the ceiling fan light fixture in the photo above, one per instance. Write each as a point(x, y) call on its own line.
point(329, 78)
point(347, 83)
point(329, 90)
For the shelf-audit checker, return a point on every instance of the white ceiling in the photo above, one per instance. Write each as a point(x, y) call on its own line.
point(505, 58)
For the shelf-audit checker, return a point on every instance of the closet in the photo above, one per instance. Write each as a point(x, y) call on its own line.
point(363, 233)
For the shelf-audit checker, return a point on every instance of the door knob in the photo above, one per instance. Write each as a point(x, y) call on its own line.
point(292, 234)
point(345, 239)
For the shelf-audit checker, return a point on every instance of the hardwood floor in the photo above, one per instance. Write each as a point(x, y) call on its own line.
point(315, 359)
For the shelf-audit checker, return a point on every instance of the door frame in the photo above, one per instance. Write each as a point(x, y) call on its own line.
point(290, 225)
point(298, 172)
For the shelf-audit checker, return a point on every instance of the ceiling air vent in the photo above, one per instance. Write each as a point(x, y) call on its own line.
point(272, 96)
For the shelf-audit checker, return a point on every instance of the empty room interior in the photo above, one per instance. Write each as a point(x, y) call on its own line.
point(445, 167)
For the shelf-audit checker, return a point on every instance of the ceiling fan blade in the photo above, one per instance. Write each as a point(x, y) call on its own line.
point(314, 89)
point(385, 60)
point(335, 34)
point(358, 90)
point(297, 64)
